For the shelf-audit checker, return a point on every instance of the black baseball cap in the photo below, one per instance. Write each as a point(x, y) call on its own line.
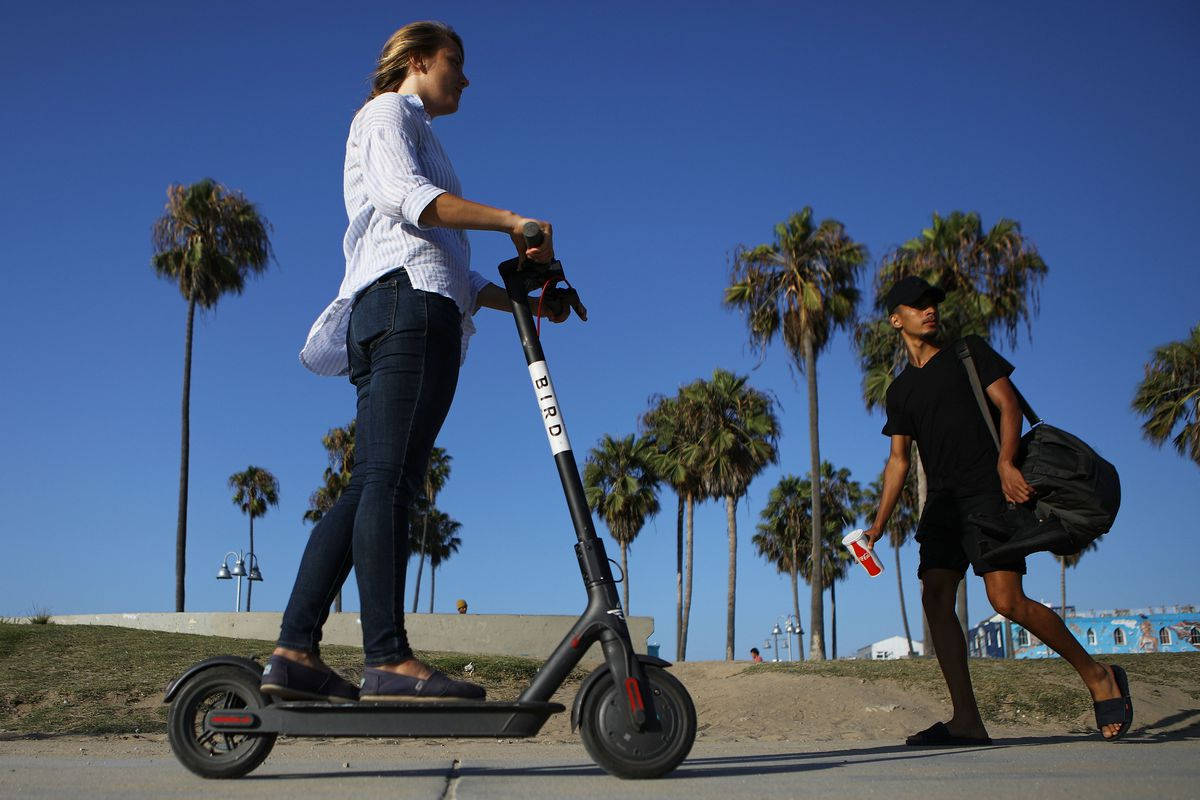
point(907, 291)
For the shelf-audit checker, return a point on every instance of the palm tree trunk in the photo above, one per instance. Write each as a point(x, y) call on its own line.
point(421, 560)
point(731, 521)
point(432, 583)
point(816, 614)
point(927, 640)
point(1008, 639)
point(337, 602)
point(903, 611)
point(181, 524)
point(625, 576)
point(962, 605)
point(833, 613)
point(250, 566)
point(687, 578)
point(796, 598)
point(1062, 583)
point(679, 581)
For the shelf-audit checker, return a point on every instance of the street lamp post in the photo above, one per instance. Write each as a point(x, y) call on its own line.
point(791, 626)
point(775, 633)
point(239, 572)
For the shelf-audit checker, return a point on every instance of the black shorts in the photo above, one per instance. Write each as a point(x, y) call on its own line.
point(949, 540)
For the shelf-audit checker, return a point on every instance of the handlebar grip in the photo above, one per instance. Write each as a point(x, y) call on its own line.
point(533, 233)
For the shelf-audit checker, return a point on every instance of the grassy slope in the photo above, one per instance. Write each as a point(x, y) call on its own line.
point(1044, 689)
point(85, 679)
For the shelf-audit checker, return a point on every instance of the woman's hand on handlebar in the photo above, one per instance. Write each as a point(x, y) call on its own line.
point(554, 311)
point(542, 253)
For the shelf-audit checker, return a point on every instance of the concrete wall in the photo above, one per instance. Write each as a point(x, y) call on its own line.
point(532, 636)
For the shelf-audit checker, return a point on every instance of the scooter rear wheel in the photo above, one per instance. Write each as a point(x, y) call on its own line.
point(612, 741)
point(206, 752)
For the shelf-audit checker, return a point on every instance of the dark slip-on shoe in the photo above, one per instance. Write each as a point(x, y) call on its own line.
point(383, 686)
point(290, 680)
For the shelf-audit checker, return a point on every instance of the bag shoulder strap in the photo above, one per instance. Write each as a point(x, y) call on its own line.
point(964, 354)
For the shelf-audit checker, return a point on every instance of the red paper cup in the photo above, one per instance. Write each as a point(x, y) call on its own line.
point(856, 542)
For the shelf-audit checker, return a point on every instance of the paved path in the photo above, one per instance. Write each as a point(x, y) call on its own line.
point(1044, 768)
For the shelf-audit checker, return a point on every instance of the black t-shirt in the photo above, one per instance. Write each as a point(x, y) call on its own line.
point(935, 405)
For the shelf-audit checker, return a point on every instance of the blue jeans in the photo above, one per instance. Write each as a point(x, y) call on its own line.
point(404, 346)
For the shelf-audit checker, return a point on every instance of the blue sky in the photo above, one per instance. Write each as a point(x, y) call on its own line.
point(656, 137)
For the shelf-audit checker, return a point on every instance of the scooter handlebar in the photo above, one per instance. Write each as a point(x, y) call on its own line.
point(535, 273)
point(532, 233)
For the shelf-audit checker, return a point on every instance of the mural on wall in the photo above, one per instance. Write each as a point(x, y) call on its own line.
point(1172, 629)
point(1188, 632)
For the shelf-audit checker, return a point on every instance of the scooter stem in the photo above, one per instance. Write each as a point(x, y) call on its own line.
point(604, 619)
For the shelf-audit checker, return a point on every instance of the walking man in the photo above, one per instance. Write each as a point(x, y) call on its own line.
point(932, 402)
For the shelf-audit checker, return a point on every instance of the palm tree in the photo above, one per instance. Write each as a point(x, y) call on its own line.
point(1169, 396)
point(442, 544)
point(339, 445)
point(735, 441)
point(620, 485)
point(901, 526)
point(783, 534)
point(669, 425)
point(990, 279)
point(436, 475)
point(1070, 561)
point(802, 286)
point(208, 240)
point(254, 490)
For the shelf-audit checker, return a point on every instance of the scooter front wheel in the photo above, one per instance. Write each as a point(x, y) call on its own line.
point(618, 747)
point(209, 753)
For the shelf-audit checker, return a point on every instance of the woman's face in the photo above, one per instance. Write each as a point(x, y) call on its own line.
point(444, 81)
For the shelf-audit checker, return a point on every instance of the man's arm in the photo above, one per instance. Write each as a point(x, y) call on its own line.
point(893, 481)
point(1016, 489)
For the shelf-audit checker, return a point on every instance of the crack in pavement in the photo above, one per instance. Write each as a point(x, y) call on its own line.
point(450, 790)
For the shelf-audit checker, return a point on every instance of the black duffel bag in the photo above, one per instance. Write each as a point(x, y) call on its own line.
point(1078, 492)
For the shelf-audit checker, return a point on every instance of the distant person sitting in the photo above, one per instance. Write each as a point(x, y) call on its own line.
point(461, 605)
point(755, 656)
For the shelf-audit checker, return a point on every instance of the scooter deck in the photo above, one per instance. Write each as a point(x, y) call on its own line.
point(452, 719)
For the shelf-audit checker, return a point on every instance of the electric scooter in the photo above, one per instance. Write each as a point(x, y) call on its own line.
point(636, 720)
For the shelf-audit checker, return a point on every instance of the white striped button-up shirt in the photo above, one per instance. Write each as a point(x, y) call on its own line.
point(395, 167)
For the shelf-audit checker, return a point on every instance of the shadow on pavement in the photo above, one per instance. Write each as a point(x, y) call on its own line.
point(774, 763)
point(1147, 733)
point(707, 767)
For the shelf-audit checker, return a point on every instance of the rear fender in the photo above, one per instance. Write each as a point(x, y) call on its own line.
point(596, 675)
point(250, 665)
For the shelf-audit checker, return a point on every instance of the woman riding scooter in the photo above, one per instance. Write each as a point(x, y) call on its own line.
point(398, 328)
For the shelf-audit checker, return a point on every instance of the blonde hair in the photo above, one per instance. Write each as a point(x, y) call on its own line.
point(414, 39)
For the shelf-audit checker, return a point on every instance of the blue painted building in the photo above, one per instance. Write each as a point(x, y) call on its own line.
point(1167, 629)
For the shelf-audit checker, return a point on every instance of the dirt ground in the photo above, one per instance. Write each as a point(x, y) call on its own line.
point(733, 705)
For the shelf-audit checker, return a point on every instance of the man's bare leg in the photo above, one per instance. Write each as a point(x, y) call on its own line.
point(1007, 596)
point(938, 592)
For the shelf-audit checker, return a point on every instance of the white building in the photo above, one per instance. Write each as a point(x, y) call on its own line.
point(889, 648)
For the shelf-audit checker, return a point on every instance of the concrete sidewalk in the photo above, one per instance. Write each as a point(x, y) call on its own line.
point(1048, 768)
